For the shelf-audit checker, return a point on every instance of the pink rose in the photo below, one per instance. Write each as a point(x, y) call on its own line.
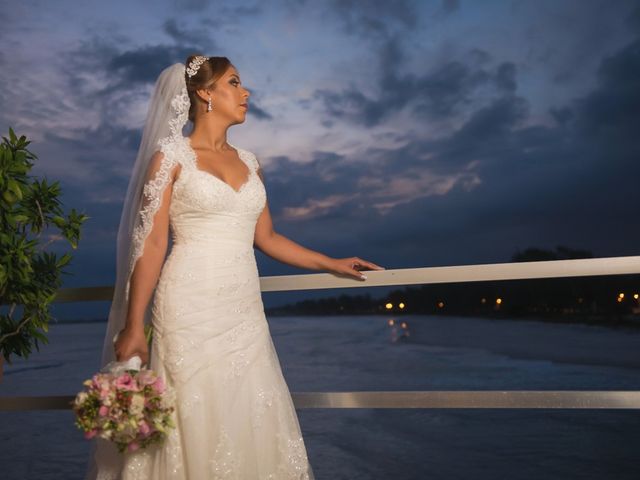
point(125, 382)
point(133, 446)
point(145, 377)
point(100, 381)
point(90, 434)
point(103, 411)
point(144, 428)
point(158, 385)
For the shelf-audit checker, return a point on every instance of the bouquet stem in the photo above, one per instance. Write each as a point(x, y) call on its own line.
point(148, 333)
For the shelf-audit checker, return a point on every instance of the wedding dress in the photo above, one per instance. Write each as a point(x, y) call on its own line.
point(211, 342)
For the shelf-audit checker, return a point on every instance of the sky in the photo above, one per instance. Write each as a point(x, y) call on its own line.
point(408, 133)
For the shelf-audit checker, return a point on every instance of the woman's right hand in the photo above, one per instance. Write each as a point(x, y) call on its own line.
point(131, 342)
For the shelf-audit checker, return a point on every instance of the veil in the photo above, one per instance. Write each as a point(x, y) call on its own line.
point(167, 115)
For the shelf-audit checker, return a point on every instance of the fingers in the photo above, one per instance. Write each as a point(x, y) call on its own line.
point(358, 262)
point(124, 353)
point(350, 266)
point(144, 357)
point(372, 266)
point(353, 270)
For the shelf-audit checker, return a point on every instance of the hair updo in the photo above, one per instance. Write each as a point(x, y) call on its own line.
point(206, 77)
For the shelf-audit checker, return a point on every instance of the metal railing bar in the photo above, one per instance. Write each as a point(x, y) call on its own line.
point(412, 276)
point(420, 399)
point(471, 399)
point(458, 274)
point(509, 399)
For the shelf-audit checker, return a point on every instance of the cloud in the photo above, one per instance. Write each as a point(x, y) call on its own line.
point(257, 111)
point(450, 6)
point(487, 125)
point(616, 101)
point(506, 77)
point(198, 37)
point(220, 13)
point(442, 93)
point(375, 18)
point(194, 5)
point(143, 65)
point(497, 183)
point(435, 157)
point(633, 20)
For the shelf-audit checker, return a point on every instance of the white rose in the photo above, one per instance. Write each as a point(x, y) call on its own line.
point(81, 398)
point(137, 404)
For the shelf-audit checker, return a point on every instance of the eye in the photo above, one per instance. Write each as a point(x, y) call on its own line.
point(234, 82)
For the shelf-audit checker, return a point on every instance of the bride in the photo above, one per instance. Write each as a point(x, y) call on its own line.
point(211, 342)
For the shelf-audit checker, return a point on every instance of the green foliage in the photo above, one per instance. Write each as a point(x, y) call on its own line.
point(29, 276)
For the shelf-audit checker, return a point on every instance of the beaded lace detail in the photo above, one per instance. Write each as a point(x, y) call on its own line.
point(211, 340)
point(224, 464)
point(152, 192)
point(180, 105)
point(208, 192)
point(154, 187)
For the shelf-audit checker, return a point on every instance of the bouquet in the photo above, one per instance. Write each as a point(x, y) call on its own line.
point(129, 406)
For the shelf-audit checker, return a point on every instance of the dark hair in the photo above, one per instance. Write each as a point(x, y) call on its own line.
point(208, 73)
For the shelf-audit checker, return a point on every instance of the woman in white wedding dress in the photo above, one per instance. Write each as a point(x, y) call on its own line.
point(211, 342)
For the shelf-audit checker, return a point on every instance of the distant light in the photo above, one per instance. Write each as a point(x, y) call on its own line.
point(483, 300)
point(401, 305)
point(403, 324)
point(621, 295)
point(498, 301)
point(580, 300)
point(619, 299)
point(440, 304)
point(389, 306)
point(635, 295)
point(391, 322)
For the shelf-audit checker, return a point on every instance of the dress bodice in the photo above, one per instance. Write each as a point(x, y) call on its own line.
point(204, 207)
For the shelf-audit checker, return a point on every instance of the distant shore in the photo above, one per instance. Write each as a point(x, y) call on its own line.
point(609, 321)
point(619, 322)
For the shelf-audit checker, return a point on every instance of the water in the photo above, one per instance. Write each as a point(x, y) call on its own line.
point(355, 353)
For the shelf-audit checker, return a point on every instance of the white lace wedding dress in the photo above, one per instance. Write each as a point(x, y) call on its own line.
point(235, 418)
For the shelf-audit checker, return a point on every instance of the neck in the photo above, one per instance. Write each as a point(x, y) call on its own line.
point(209, 133)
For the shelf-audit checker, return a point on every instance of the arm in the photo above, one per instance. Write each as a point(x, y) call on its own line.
point(146, 271)
point(281, 248)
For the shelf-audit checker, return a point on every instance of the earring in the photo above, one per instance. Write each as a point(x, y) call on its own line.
point(209, 106)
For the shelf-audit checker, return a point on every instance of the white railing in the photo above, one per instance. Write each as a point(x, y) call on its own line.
point(422, 399)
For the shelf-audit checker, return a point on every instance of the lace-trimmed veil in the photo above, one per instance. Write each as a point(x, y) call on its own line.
point(167, 115)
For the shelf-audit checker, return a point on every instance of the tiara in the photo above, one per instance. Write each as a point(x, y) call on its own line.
point(195, 64)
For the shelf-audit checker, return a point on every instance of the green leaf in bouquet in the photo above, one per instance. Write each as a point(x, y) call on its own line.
point(148, 333)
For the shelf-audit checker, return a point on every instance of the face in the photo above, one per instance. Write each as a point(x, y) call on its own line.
point(230, 98)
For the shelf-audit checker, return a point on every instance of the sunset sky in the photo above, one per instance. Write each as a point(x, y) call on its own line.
point(408, 133)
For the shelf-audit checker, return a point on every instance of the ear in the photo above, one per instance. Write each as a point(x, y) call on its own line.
point(204, 94)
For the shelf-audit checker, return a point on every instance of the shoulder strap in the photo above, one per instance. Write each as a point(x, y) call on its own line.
point(248, 157)
point(179, 151)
